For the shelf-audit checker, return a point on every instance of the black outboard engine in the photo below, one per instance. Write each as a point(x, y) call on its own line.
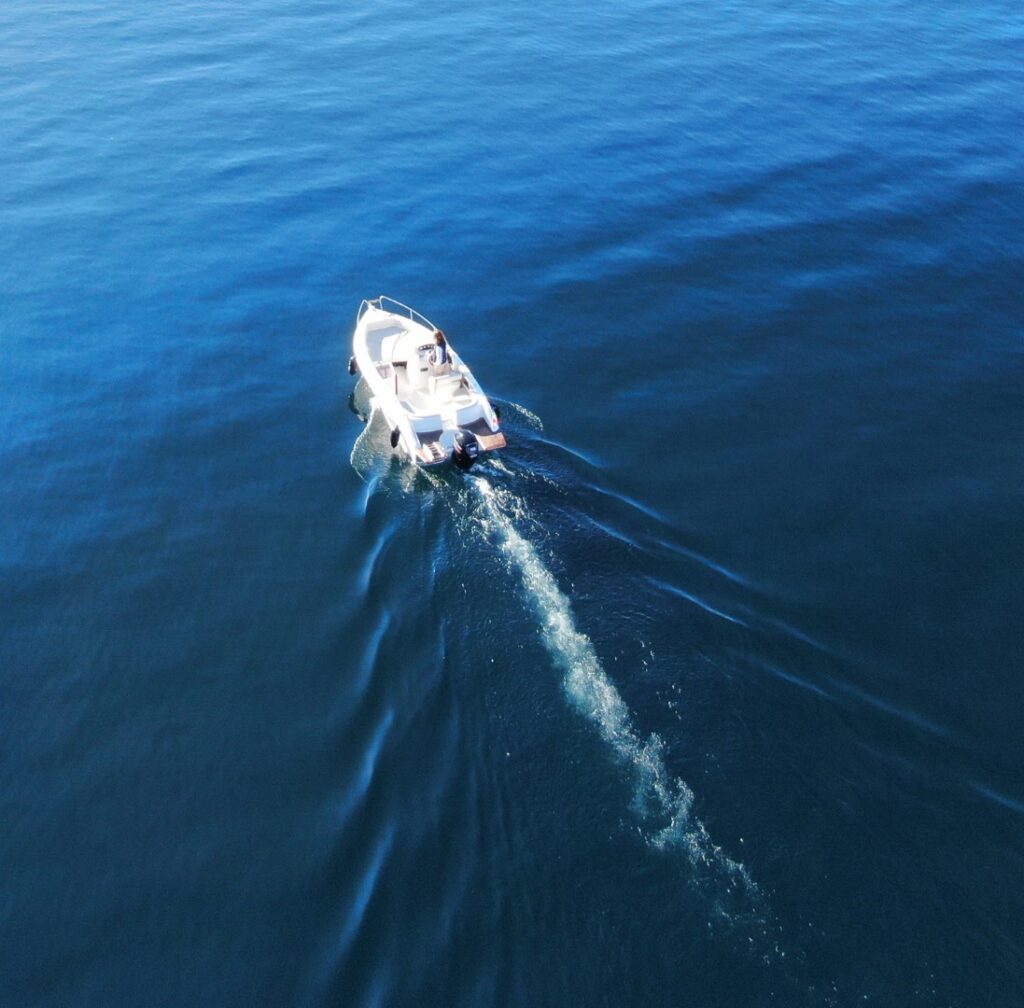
point(466, 451)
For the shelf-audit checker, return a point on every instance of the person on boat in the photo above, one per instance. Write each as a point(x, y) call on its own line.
point(442, 360)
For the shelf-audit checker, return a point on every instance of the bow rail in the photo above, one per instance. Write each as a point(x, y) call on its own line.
point(384, 303)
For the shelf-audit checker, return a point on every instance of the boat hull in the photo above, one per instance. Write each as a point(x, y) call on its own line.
point(431, 405)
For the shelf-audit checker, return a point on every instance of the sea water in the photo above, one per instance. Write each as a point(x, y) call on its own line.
point(704, 692)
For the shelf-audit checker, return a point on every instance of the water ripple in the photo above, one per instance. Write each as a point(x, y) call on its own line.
point(665, 803)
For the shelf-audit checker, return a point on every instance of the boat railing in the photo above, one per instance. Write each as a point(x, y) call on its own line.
point(403, 309)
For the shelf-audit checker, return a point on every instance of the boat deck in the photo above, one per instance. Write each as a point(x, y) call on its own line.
point(430, 398)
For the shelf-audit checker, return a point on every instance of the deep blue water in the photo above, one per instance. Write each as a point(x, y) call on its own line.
point(707, 692)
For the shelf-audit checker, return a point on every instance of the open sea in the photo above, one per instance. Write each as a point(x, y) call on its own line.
point(707, 692)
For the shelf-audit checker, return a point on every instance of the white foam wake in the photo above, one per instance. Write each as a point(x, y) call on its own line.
point(660, 800)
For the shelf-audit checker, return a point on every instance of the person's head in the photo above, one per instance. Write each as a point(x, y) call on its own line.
point(439, 337)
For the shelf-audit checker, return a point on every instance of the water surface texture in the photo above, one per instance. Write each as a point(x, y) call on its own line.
point(706, 692)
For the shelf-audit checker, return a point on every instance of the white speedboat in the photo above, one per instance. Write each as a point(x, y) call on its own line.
point(435, 407)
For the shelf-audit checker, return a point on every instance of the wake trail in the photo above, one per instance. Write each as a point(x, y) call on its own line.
point(664, 804)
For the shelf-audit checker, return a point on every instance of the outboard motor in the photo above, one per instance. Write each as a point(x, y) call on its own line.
point(466, 451)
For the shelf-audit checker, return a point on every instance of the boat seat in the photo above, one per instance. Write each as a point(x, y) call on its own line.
point(444, 386)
